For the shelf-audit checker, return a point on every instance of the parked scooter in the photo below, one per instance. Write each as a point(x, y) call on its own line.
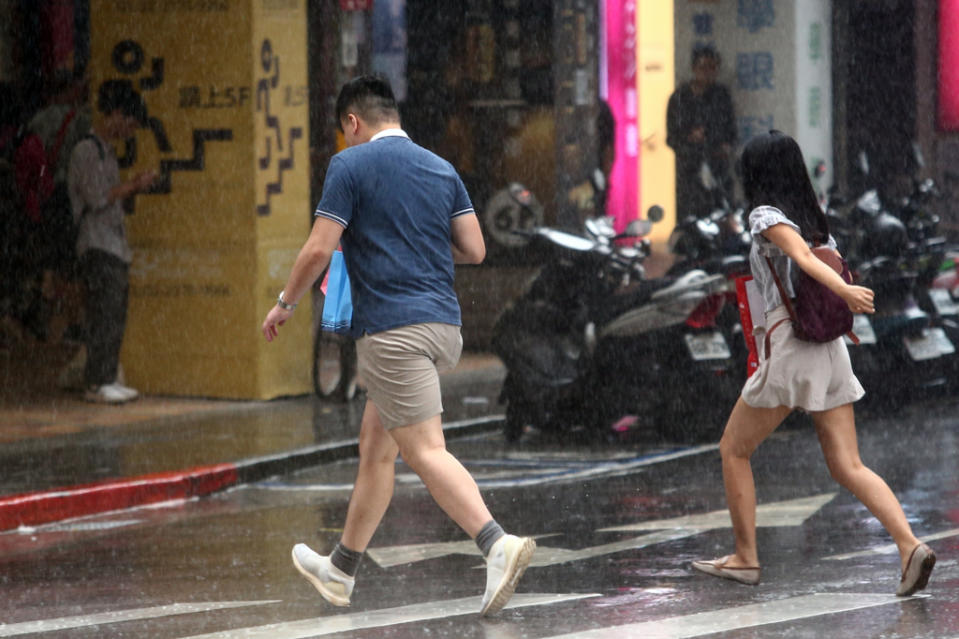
point(902, 338)
point(717, 243)
point(592, 340)
point(930, 256)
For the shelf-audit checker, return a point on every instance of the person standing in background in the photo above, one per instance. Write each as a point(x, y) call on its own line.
point(701, 127)
point(96, 198)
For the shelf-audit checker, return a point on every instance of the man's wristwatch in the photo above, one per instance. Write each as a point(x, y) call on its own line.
point(285, 306)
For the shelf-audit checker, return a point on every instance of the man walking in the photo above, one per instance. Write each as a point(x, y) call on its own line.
point(403, 217)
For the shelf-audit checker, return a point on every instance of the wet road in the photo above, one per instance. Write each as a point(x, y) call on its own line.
point(617, 527)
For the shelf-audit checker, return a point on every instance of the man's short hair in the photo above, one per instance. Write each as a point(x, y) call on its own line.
point(119, 95)
point(368, 96)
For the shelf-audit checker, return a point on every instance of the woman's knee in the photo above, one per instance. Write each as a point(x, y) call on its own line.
point(377, 449)
point(733, 447)
point(845, 471)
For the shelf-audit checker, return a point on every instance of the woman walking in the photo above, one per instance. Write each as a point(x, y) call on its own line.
point(785, 219)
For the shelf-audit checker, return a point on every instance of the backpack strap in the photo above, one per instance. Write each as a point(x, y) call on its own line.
point(789, 307)
point(782, 292)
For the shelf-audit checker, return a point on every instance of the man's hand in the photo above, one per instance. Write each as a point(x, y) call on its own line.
point(274, 319)
point(144, 180)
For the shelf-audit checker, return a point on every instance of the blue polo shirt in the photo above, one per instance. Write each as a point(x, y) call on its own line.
point(395, 201)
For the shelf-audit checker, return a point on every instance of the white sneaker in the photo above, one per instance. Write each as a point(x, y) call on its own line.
point(335, 585)
point(131, 393)
point(106, 394)
point(506, 563)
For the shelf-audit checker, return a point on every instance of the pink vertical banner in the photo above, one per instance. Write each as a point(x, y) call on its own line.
point(948, 65)
point(618, 60)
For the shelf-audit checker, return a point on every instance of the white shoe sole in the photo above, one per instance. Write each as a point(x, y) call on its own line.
point(511, 577)
point(334, 599)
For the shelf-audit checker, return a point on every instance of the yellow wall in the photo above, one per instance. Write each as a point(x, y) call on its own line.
point(655, 75)
point(208, 259)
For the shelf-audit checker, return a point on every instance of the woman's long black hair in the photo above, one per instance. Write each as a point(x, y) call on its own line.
point(774, 173)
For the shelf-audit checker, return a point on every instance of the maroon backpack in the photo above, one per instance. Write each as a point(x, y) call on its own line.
point(34, 169)
point(819, 315)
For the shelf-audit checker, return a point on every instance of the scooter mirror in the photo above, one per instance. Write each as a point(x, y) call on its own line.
point(637, 228)
point(655, 213)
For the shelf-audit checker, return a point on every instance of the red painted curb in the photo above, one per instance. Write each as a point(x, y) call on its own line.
point(33, 509)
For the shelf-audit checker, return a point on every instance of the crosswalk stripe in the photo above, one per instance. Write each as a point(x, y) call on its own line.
point(750, 616)
point(890, 548)
point(518, 478)
point(82, 621)
point(318, 627)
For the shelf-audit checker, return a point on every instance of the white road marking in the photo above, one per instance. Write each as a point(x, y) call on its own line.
point(607, 469)
point(321, 626)
point(117, 616)
point(784, 513)
point(792, 512)
point(728, 619)
point(77, 525)
point(390, 556)
point(891, 548)
point(523, 476)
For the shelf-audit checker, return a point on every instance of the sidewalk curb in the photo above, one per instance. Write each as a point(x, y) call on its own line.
point(49, 506)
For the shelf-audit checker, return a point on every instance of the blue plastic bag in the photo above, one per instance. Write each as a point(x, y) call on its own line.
point(338, 304)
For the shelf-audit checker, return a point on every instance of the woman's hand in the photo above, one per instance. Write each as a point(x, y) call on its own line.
point(860, 299)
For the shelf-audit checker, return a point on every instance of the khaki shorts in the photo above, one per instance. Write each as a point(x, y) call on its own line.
point(401, 369)
point(797, 374)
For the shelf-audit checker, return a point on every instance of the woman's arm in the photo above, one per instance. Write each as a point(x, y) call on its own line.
point(859, 298)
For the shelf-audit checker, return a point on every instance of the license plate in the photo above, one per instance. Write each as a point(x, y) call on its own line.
point(703, 346)
point(862, 327)
point(943, 302)
point(932, 343)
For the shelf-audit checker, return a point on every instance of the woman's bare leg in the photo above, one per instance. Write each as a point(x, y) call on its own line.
point(746, 429)
point(836, 429)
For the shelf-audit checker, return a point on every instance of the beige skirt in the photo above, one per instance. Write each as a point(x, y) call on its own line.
point(798, 374)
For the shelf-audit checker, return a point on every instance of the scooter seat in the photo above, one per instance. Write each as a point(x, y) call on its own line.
point(694, 280)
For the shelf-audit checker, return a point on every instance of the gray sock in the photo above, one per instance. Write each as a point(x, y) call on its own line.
point(488, 535)
point(345, 559)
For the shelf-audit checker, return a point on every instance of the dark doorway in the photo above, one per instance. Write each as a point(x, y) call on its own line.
point(880, 106)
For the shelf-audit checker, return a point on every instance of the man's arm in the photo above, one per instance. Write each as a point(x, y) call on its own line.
point(728, 132)
point(313, 258)
point(467, 239)
point(675, 138)
point(141, 182)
